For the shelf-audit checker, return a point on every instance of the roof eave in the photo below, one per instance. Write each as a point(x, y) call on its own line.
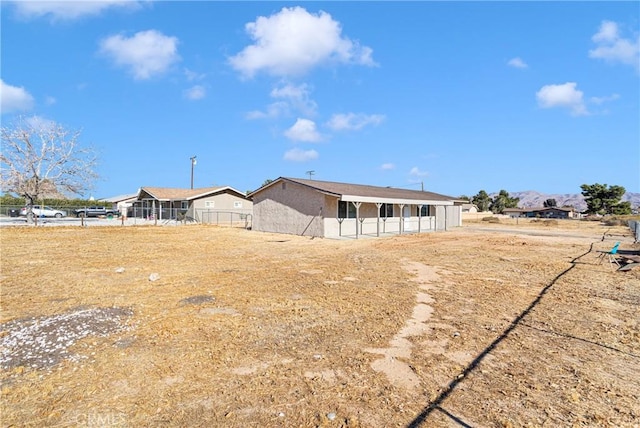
point(397, 201)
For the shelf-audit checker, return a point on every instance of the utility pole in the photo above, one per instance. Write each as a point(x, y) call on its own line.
point(193, 162)
point(311, 173)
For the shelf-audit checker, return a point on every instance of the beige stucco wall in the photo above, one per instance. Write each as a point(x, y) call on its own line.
point(454, 216)
point(222, 201)
point(292, 209)
point(223, 209)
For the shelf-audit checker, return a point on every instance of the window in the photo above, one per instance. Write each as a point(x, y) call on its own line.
point(386, 210)
point(185, 205)
point(237, 204)
point(209, 204)
point(346, 210)
point(424, 211)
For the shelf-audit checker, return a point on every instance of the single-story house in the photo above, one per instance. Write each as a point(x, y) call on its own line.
point(122, 203)
point(205, 205)
point(544, 212)
point(331, 210)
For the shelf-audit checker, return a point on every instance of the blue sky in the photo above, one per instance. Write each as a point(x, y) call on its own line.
point(453, 96)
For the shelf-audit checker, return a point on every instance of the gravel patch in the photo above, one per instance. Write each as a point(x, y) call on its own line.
point(42, 342)
point(197, 300)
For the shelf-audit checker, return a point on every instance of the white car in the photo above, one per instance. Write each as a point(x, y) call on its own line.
point(44, 211)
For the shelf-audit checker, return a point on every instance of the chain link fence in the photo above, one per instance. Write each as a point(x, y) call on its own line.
point(241, 218)
point(635, 228)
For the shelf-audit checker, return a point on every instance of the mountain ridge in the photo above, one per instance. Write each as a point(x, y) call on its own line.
point(535, 199)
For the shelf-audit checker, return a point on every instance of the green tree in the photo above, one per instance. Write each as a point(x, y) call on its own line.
point(482, 200)
point(502, 200)
point(550, 203)
point(464, 198)
point(604, 199)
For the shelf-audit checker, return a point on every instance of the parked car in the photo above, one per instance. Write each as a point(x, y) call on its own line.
point(96, 212)
point(44, 211)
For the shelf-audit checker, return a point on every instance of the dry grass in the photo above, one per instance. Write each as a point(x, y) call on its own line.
point(488, 325)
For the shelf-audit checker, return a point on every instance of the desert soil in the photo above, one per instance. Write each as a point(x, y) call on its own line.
point(487, 325)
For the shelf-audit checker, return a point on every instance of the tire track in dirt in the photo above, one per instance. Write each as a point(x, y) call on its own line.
point(394, 358)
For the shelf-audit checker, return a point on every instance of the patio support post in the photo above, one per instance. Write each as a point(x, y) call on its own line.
point(379, 205)
point(435, 219)
point(419, 217)
point(445, 218)
point(155, 217)
point(401, 225)
point(357, 205)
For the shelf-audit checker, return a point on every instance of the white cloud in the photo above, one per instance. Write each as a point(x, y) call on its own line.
point(291, 98)
point(196, 92)
point(69, 10)
point(50, 101)
point(146, 54)
point(608, 32)
point(293, 41)
point(39, 122)
point(303, 130)
point(353, 121)
point(565, 95)
point(274, 110)
point(14, 98)
point(415, 171)
point(613, 48)
point(602, 100)
point(192, 75)
point(297, 96)
point(517, 63)
point(299, 155)
point(290, 91)
point(387, 166)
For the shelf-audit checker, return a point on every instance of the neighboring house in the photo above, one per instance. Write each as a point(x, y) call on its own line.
point(545, 212)
point(206, 205)
point(331, 210)
point(122, 203)
point(468, 208)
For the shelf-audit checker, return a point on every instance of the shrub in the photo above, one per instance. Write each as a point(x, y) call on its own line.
point(491, 219)
point(613, 221)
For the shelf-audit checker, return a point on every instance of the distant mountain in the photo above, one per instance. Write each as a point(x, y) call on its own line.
point(533, 199)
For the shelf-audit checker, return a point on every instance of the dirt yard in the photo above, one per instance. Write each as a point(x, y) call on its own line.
point(488, 325)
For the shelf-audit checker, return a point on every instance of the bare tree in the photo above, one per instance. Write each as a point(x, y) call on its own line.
point(38, 155)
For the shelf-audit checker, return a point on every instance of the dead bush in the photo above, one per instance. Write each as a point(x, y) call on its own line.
point(614, 221)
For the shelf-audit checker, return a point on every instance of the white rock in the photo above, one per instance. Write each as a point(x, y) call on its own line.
point(154, 277)
point(120, 270)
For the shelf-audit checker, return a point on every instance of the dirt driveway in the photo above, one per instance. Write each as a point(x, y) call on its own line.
point(206, 326)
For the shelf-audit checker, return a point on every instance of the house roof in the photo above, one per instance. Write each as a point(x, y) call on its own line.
point(120, 198)
point(365, 193)
point(177, 194)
